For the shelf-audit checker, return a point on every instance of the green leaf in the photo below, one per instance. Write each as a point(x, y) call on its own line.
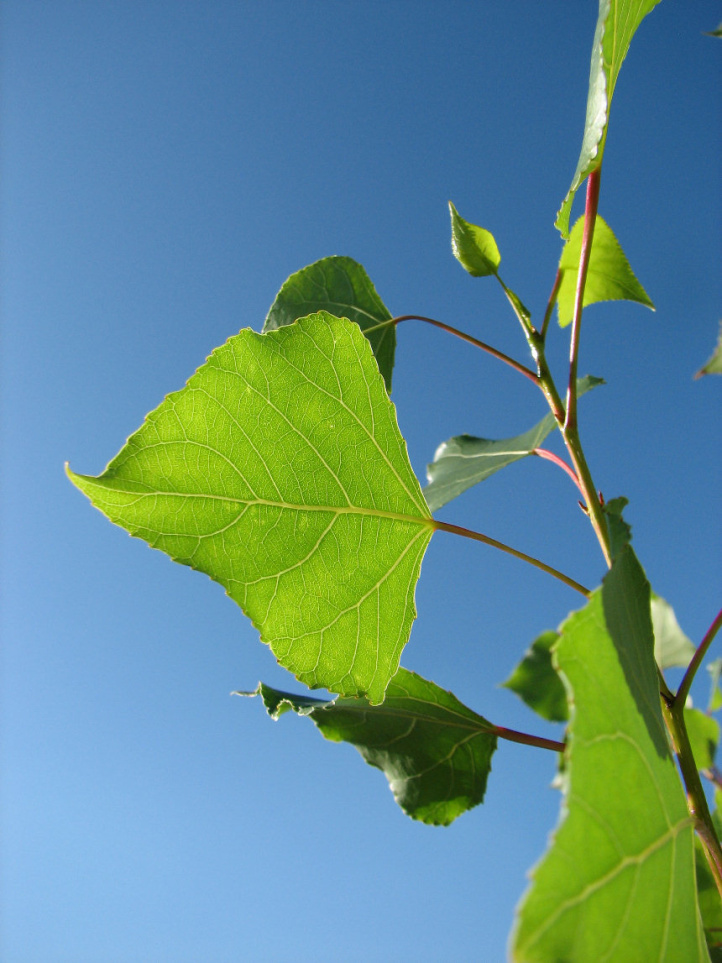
point(617, 883)
point(610, 277)
point(342, 287)
point(703, 732)
point(617, 23)
point(279, 470)
point(671, 645)
point(715, 696)
point(464, 460)
point(714, 365)
point(474, 247)
point(536, 680)
point(710, 905)
point(717, 32)
point(435, 753)
point(620, 533)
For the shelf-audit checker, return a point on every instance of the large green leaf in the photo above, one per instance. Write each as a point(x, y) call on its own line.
point(610, 276)
point(342, 287)
point(279, 470)
point(617, 883)
point(464, 460)
point(616, 25)
point(435, 753)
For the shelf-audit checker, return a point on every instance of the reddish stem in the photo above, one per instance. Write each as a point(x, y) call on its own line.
point(550, 456)
point(528, 740)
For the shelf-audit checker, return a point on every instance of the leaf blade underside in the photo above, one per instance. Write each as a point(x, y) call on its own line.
point(244, 474)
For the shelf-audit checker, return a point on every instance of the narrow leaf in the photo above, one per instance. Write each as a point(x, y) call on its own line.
point(617, 883)
point(703, 732)
point(279, 470)
point(464, 460)
point(435, 752)
point(714, 365)
point(474, 247)
point(342, 287)
point(617, 23)
point(610, 277)
point(671, 646)
point(537, 682)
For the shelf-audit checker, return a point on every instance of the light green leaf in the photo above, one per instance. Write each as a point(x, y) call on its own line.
point(617, 23)
point(435, 753)
point(474, 247)
point(717, 32)
point(610, 277)
point(703, 732)
point(536, 680)
point(671, 645)
point(715, 696)
point(342, 287)
point(464, 460)
point(714, 365)
point(279, 470)
point(617, 883)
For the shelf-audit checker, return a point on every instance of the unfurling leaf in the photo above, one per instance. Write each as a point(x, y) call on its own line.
point(464, 460)
point(435, 753)
point(714, 365)
point(279, 470)
point(617, 23)
point(609, 278)
point(340, 286)
point(535, 680)
point(618, 881)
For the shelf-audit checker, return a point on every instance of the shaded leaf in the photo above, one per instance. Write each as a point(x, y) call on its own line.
point(279, 470)
point(340, 286)
point(714, 365)
point(610, 276)
point(703, 732)
point(617, 23)
point(464, 460)
point(617, 883)
point(435, 753)
point(536, 680)
point(474, 247)
point(671, 645)
point(620, 533)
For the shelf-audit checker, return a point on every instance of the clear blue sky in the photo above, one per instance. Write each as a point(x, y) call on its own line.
point(166, 165)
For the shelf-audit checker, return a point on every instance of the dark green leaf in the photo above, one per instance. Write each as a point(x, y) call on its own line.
point(279, 470)
point(714, 365)
point(703, 732)
point(617, 23)
point(618, 881)
point(342, 287)
point(474, 247)
point(610, 276)
point(671, 645)
point(620, 533)
point(464, 461)
point(715, 33)
point(435, 753)
point(536, 680)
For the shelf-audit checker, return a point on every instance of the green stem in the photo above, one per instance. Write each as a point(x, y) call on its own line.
point(701, 652)
point(696, 799)
point(527, 372)
point(528, 740)
point(550, 304)
point(477, 536)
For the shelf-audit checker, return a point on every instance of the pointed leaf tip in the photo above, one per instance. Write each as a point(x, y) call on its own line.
point(474, 247)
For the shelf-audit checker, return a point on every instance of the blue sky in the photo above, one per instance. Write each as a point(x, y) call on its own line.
point(166, 166)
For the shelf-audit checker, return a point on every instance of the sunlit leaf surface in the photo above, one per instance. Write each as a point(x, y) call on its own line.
point(279, 470)
point(618, 882)
point(435, 752)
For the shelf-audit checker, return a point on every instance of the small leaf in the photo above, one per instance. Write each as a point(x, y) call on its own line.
point(618, 881)
point(717, 32)
point(474, 248)
point(617, 23)
point(620, 533)
point(280, 471)
point(715, 697)
point(464, 460)
point(610, 277)
point(703, 732)
point(340, 286)
point(714, 365)
point(536, 680)
point(435, 753)
point(671, 645)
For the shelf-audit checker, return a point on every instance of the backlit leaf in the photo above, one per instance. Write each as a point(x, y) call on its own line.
point(671, 645)
point(610, 277)
point(435, 753)
point(715, 697)
point(279, 470)
point(464, 460)
point(617, 23)
point(474, 247)
point(618, 882)
point(714, 365)
point(340, 286)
